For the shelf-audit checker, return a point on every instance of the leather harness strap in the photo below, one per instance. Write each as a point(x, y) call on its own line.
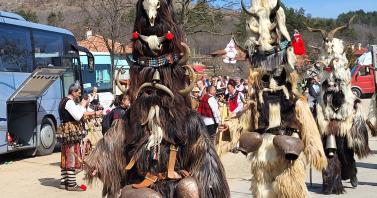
point(171, 164)
point(170, 174)
point(131, 163)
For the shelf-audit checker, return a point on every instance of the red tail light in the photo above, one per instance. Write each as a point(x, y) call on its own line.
point(9, 138)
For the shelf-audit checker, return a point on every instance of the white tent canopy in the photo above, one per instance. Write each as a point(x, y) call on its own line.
point(365, 59)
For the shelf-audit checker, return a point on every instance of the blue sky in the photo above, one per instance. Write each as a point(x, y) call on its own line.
point(331, 8)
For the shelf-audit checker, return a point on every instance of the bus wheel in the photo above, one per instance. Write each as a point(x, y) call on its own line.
point(356, 92)
point(47, 138)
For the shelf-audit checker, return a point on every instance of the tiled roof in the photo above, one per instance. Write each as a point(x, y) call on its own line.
point(96, 43)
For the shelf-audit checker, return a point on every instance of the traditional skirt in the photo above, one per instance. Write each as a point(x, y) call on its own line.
point(69, 154)
point(70, 132)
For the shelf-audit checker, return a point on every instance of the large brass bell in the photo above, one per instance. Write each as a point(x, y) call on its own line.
point(331, 145)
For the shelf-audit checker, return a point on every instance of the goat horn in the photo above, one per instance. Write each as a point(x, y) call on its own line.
point(324, 32)
point(273, 26)
point(162, 39)
point(254, 29)
point(157, 86)
point(332, 32)
point(276, 8)
point(247, 11)
point(186, 54)
point(332, 62)
point(189, 88)
point(165, 89)
point(117, 80)
point(143, 37)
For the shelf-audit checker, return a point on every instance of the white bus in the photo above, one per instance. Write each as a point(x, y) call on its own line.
point(37, 64)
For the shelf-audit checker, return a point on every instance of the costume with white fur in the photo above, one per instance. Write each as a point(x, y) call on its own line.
point(341, 124)
point(276, 131)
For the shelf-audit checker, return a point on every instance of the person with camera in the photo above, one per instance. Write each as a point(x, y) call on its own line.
point(70, 133)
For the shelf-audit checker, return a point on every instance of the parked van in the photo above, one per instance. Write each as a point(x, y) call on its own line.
point(363, 80)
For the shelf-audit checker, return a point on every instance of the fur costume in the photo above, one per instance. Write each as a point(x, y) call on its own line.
point(162, 148)
point(343, 129)
point(372, 120)
point(276, 131)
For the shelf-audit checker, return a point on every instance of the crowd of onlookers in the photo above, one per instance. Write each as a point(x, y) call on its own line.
point(213, 98)
point(216, 98)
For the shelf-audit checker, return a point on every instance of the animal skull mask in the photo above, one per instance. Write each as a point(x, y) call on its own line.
point(151, 7)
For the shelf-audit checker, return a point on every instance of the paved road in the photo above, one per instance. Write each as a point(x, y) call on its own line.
point(39, 177)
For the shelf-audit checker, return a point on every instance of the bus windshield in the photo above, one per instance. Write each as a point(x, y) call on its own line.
point(102, 78)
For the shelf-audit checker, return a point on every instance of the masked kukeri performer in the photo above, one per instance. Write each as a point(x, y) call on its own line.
point(70, 134)
point(341, 124)
point(281, 136)
point(161, 149)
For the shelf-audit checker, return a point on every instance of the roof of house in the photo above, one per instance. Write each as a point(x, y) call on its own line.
point(241, 55)
point(361, 51)
point(96, 43)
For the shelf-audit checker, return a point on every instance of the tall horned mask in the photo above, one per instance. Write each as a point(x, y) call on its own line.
point(151, 8)
point(329, 36)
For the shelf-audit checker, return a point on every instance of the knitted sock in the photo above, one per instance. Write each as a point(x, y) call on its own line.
point(64, 177)
point(71, 179)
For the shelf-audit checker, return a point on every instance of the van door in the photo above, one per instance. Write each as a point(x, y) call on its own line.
point(365, 79)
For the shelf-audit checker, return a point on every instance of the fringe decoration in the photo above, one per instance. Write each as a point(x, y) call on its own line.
point(291, 182)
point(332, 181)
point(109, 160)
point(358, 138)
point(269, 62)
point(310, 135)
point(154, 127)
point(372, 120)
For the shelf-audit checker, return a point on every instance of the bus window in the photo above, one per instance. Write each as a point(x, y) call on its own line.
point(48, 49)
point(15, 49)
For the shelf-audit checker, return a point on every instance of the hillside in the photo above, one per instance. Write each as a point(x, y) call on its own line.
point(364, 28)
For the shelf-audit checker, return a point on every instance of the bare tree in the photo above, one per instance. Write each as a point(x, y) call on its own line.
point(203, 16)
point(109, 19)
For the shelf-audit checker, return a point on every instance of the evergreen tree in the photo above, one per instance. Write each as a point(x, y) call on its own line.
point(28, 15)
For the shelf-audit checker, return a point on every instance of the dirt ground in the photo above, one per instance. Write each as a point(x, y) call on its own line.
point(22, 177)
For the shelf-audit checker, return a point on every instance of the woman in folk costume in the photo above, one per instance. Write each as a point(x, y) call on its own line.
point(70, 134)
point(341, 124)
point(161, 149)
point(281, 136)
point(230, 115)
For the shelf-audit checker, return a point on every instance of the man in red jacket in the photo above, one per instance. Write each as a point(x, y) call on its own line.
point(209, 111)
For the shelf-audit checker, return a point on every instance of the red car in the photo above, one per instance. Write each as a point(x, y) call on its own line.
point(363, 80)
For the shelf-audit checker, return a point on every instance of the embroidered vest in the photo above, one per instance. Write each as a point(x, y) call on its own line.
point(204, 109)
point(233, 102)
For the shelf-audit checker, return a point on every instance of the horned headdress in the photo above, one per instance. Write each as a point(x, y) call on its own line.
point(281, 136)
point(341, 124)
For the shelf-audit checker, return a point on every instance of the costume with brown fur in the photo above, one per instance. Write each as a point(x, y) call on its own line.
point(274, 175)
point(278, 118)
point(159, 123)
